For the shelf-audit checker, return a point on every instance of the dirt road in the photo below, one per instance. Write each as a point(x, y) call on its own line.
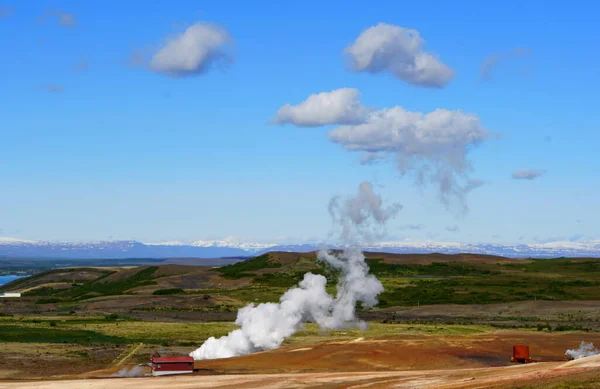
point(446, 379)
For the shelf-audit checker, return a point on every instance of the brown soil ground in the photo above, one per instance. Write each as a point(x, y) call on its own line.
point(407, 361)
point(500, 377)
point(406, 352)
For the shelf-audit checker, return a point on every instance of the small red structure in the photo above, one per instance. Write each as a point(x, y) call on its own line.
point(521, 355)
point(171, 365)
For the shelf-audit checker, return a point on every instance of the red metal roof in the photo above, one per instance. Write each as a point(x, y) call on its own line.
point(172, 359)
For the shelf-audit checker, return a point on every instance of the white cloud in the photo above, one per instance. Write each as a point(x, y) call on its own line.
point(528, 174)
point(339, 106)
point(432, 146)
point(492, 62)
point(397, 50)
point(192, 52)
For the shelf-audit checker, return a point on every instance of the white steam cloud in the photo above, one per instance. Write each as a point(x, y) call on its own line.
point(265, 326)
point(136, 371)
point(584, 350)
point(362, 217)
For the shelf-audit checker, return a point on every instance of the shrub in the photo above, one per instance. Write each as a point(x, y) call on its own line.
point(163, 292)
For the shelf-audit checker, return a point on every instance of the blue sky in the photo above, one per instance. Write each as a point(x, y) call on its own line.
point(124, 152)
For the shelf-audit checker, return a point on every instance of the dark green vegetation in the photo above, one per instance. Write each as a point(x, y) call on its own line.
point(244, 269)
point(98, 287)
point(485, 283)
point(166, 292)
point(51, 334)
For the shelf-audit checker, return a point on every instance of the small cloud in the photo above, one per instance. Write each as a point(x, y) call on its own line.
point(193, 52)
point(6, 12)
point(452, 228)
point(81, 66)
point(413, 227)
point(528, 174)
point(64, 19)
point(54, 88)
point(339, 106)
point(491, 63)
point(399, 51)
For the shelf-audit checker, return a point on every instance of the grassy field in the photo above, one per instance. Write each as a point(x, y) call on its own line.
point(191, 293)
point(98, 330)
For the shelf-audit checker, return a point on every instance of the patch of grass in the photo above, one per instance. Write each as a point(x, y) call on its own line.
point(244, 268)
point(50, 300)
point(443, 269)
point(165, 292)
point(54, 335)
point(94, 289)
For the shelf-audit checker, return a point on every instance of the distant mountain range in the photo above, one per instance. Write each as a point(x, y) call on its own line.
point(217, 249)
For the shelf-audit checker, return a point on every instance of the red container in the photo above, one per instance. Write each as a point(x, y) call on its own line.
point(172, 365)
point(521, 354)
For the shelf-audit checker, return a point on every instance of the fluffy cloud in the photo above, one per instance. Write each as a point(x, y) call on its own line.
point(397, 50)
point(431, 146)
point(491, 63)
point(193, 52)
point(527, 174)
point(340, 106)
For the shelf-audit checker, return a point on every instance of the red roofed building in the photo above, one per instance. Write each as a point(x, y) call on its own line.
point(171, 365)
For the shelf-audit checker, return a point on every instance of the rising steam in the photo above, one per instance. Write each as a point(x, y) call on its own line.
point(266, 326)
point(584, 350)
point(135, 371)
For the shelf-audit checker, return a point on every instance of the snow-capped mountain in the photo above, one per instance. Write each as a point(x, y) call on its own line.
point(230, 248)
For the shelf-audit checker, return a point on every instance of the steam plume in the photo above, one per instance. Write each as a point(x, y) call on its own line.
point(584, 350)
point(136, 371)
point(361, 218)
point(266, 326)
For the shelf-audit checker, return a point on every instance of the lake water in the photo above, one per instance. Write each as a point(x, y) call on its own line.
point(7, 279)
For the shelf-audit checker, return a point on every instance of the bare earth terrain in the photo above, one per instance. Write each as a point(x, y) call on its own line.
point(405, 361)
